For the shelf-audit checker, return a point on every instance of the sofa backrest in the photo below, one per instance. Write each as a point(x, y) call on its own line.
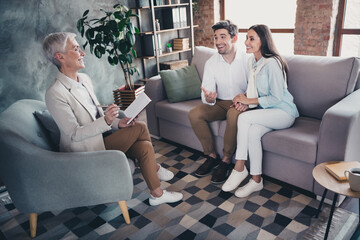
point(19, 122)
point(318, 82)
point(201, 55)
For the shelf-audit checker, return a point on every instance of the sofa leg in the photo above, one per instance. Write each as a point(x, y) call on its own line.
point(124, 211)
point(33, 224)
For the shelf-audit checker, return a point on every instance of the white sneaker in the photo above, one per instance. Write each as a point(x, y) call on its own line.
point(249, 188)
point(167, 197)
point(234, 180)
point(164, 174)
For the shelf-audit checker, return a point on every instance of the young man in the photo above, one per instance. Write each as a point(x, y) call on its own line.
point(225, 76)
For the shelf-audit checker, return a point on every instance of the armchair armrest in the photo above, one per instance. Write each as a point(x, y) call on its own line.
point(39, 180)
point(339, 134)
point(154, 88)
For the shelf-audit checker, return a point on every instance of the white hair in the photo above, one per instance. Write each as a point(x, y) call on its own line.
point(54, 43)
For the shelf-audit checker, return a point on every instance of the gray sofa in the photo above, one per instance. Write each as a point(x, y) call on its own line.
point(40, 179)
point(326, 92)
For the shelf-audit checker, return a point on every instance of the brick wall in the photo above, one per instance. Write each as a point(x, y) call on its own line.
point(208, 14)
point(314, 27)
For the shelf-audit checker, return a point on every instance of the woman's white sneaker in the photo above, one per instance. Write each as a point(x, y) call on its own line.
point(164, 174)
point(166, 197)
point(234, 180)
point(249, 188)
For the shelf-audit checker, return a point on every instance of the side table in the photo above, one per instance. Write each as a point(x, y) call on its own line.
point(324, 178)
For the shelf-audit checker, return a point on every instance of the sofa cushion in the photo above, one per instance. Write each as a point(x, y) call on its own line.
point(181, 84)
point(47, 121)
point(317, 83)
point(201, 55)
point(178, 113)
point(298, 142)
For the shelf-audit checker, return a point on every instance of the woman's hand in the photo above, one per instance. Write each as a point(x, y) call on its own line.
point(241, 98)
point(123, 122)
point(111, 112)
point(209, 96)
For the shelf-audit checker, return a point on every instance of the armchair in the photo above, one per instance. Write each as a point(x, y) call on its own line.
point(39, 179)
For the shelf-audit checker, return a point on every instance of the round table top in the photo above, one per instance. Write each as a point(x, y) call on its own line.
point(329, 182)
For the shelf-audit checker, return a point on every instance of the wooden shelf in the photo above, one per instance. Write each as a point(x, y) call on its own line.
point(166, 30)
point(167, 53)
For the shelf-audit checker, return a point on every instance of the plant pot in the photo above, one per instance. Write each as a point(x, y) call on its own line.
point(124, 97)
point(169, 49)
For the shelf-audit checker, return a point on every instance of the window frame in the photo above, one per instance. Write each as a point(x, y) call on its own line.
point(244, 30)
point(340, 30)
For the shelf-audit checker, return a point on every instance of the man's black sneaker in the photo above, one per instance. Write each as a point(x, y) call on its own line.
point(221, 173)
point(207, 166)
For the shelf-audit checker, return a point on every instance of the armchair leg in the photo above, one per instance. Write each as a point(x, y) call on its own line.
point(33, 224)
point(124, 211)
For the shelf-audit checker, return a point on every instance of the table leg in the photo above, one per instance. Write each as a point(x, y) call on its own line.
point(321, 202)
point(331, 215)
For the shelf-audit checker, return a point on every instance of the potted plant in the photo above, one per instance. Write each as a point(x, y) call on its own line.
point(114, 34)
point(168, 47)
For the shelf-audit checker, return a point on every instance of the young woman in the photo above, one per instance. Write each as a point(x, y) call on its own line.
point(275, 109)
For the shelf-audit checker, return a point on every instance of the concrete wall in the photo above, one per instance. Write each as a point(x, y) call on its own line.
point(24, 71)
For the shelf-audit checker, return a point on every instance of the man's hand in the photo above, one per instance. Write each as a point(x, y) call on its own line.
point(210, 97)
point(240, 107)
point(111, 112)
point(123, 122)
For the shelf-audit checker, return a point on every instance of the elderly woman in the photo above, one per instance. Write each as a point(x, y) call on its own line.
point(85, 127)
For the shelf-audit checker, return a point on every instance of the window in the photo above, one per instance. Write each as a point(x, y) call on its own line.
point(281, 22)
point(348, 31)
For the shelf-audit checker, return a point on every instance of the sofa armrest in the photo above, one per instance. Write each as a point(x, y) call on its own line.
point(39, 180)
point(339, 134)
point(154, 88)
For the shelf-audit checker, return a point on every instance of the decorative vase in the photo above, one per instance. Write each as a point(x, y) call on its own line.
point(169, 49)
point(124, 97)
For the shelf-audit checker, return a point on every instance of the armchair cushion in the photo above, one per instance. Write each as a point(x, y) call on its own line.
point(181, 84)
point(47, 121)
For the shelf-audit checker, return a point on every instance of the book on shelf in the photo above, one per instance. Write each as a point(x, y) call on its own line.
point(337, 169)
point(170, 18)
point(181, 43)
point(148, 45)
point(182, 17)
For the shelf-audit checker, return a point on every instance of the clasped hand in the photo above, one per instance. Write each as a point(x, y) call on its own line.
point(240, 102)
point(112, 112)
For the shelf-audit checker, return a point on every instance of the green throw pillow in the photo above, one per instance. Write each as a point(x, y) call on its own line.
point(181, 84)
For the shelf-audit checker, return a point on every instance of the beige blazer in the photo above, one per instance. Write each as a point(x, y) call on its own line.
point(79, 130)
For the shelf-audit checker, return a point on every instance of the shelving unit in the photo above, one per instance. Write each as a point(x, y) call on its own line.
point(148, 15)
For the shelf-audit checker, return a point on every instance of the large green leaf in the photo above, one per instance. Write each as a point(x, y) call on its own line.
point(134, 53)
point(130, 38)
point(128, 14)
point(86, 13)
point(89, 34)
point(110, 60)
point(124, 46)
point(115, 60)
point(97, 51)
point(80, 26)
point(118, 15)
point(84, 46)
point(113, 26)
point(121, 25)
